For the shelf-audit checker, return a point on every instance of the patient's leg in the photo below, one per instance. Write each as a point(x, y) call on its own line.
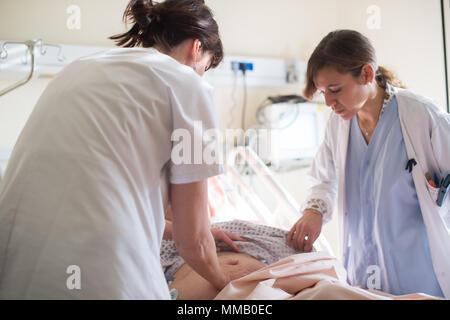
point(192, 286)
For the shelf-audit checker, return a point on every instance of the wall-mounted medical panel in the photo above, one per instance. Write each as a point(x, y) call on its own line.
point(259, 72)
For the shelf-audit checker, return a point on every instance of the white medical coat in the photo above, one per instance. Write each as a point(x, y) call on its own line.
point(82, 201)
point(426, 131)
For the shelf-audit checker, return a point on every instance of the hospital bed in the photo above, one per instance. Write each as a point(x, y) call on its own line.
point(249, 191)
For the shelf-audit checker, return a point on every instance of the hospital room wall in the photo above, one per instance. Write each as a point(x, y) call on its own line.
point(409, 40)
point(407, 35)
point(50, 20)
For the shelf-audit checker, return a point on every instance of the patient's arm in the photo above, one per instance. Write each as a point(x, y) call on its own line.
point(192, 286)
point(219, 235)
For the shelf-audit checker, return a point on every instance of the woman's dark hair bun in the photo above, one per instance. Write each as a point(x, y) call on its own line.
point(169, 23)
point(139, 11)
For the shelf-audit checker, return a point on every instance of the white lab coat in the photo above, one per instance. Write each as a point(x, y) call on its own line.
point(426, 131)
point(82, 200)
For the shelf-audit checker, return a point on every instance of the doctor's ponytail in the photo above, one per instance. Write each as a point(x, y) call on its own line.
point(348, 51)
point(384, 76)
point(168, 24)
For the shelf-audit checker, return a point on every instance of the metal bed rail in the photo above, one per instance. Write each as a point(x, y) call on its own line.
point(292, 213)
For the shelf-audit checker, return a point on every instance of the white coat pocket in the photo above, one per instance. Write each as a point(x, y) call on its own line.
point(444, 210)
point(433, 192)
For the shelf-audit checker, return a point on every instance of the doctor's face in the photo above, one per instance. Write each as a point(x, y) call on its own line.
point(344, 93)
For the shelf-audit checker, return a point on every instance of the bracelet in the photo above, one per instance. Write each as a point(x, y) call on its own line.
point(317, 205)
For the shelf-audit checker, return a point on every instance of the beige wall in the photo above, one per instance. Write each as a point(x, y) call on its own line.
point(47, 19)
point(283, 28)
point(409, 42)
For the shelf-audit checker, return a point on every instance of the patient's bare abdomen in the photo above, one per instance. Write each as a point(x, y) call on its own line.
point(192, 286)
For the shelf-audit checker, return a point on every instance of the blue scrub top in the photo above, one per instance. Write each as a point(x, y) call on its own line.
point(385, 223)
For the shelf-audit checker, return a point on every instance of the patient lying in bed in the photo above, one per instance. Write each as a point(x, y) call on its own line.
point(276, 271)
point(265, 245)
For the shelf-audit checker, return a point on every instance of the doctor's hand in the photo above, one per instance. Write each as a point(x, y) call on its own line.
point(227, 238)
point(305, 231)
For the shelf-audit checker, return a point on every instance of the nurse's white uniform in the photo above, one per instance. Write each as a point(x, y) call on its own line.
point(86, 185)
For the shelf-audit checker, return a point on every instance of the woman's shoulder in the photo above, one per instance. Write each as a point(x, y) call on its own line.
point(181, 79)
point(420, 112)
point(416, 102)
point(155, 64)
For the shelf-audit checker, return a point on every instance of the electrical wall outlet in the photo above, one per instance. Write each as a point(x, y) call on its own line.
point(245, 66)
point(241, 66)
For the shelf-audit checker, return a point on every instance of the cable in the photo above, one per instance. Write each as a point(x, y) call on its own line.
point(233, 95)
point(243, 68)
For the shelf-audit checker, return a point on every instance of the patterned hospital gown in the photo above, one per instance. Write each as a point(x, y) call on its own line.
point(267, 244)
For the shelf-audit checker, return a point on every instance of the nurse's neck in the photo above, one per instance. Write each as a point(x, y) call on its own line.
point(371, 110)
point(181, 53)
